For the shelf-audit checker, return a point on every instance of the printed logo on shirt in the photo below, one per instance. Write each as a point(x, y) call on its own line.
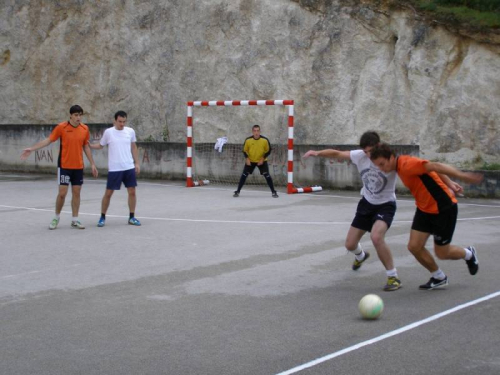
point(374, 180)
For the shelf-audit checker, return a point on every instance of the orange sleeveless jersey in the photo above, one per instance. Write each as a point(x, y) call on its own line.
point(72, 142)
point(430, 192)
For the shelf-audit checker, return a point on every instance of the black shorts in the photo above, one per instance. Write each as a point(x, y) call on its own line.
point(441, 225)
point(115, 179)
point(65, 176)
point(262, 168)
point(367, 214)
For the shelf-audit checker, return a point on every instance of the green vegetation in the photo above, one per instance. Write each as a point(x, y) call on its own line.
point(475, 13)
point(490, 167)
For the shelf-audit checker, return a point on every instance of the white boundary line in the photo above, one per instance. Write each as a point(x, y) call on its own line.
point(235, 221)
point(388, 334)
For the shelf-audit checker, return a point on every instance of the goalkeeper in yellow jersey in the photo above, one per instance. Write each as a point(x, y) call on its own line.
point(256, 150)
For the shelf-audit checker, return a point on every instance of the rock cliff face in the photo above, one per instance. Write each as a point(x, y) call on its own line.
point(349, 66)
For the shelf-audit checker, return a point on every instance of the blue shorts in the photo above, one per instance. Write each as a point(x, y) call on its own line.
point(115, 179)
point(67, 176)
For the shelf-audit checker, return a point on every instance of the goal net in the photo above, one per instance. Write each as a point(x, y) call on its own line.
point(215, 141)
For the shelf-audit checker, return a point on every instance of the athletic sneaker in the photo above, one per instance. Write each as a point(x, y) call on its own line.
point(393, 283)
point(434, 283)
point(53, 223)
point(472, 263)
point(77, 225)
point(101, 222)
point(236, 194)
point(357, 263)
point(134, 221)
point(275, 194)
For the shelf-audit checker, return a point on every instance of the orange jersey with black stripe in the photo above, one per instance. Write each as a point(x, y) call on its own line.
point(72, 142)
point(430, 192)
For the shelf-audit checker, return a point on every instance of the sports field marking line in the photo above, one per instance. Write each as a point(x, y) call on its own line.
point(236, 221)
point(389, 334)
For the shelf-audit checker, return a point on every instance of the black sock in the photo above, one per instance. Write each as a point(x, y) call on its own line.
point(131, 215)
point(269, 181)
point(103, 216)
point(242, 181)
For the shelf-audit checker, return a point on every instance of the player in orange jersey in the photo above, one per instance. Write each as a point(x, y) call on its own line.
point(74, 137)
point(436, 211)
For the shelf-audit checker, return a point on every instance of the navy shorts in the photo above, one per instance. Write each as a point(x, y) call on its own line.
point(367, 214)
point(262, 168)
point(115, 179)
point(441, 225)
point(67, 176)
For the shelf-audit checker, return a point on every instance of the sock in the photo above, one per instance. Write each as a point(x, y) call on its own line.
point(269, 181)
point(392, 273)
point(103, 216)
point(438, 274)
point(58, 216)
point(242, 182)
point(359, 253)
point(74, 219)
point(468, 254)
point(131, 215)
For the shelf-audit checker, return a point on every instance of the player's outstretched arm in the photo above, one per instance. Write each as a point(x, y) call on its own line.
point(440, 168)
point(27, 151)
point(329, 153)
point(96, 146)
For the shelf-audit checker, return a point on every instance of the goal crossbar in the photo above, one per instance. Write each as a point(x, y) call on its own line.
point(227, 103)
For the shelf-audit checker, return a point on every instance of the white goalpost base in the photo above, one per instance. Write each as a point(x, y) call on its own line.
point(192, 181)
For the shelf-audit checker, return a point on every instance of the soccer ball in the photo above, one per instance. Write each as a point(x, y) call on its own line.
point(371, 306)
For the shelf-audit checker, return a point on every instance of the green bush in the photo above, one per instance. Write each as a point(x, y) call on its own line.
point(481, 5)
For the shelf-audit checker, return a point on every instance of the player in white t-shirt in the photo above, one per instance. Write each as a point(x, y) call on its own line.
point(123, 164)
point(375, 210)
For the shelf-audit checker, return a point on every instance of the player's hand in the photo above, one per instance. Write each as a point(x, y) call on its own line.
point(247, 162)
point(137, 169)
point(261, 161)
point(26, 153)
point(95, 172)
point(310, 153)
point(456, 188)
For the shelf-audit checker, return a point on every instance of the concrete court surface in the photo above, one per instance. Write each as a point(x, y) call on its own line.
point(212, 284)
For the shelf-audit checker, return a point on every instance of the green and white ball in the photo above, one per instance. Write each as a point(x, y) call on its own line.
point(371, 306)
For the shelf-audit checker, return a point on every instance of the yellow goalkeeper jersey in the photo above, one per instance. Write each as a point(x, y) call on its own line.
point(255, 149)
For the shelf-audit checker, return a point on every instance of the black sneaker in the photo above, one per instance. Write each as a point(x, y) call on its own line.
point(275, 194)
point(434, 283)
point(357, 263)
point(236, 194)
point(472, 263)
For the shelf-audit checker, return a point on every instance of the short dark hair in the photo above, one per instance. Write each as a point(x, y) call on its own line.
point(255, 126)
point(76, 109)
point(369, 139)
point(120, 114)
point(382, 150)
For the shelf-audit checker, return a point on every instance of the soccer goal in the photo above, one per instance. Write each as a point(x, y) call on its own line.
point(217, 157)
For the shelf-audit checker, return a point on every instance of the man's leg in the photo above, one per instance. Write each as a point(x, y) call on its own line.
point(61, 197)
point(352, 244)
point(450, 252)
point(247, 169)
point(416, 245)
point(132, 199)
point(75, 199)
point(377, 235)
point(106, 200)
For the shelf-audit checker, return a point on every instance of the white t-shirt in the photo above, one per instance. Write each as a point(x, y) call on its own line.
point(119, 144)
point(378, 187)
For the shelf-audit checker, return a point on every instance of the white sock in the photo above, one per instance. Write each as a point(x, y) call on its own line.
point(468, 254)
point(359, 253)
point(58, 216)
point(74, 219)
point(392, 273)
point(438, 274)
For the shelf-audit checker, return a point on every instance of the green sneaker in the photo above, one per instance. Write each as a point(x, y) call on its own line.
point(357, 263)
point(53, 223)
point(393, 283)
point(77, 225)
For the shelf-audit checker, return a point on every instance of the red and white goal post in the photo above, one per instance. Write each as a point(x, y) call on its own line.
point(191, 177)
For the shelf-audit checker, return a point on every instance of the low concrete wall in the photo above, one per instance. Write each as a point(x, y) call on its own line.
point(166, 160)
